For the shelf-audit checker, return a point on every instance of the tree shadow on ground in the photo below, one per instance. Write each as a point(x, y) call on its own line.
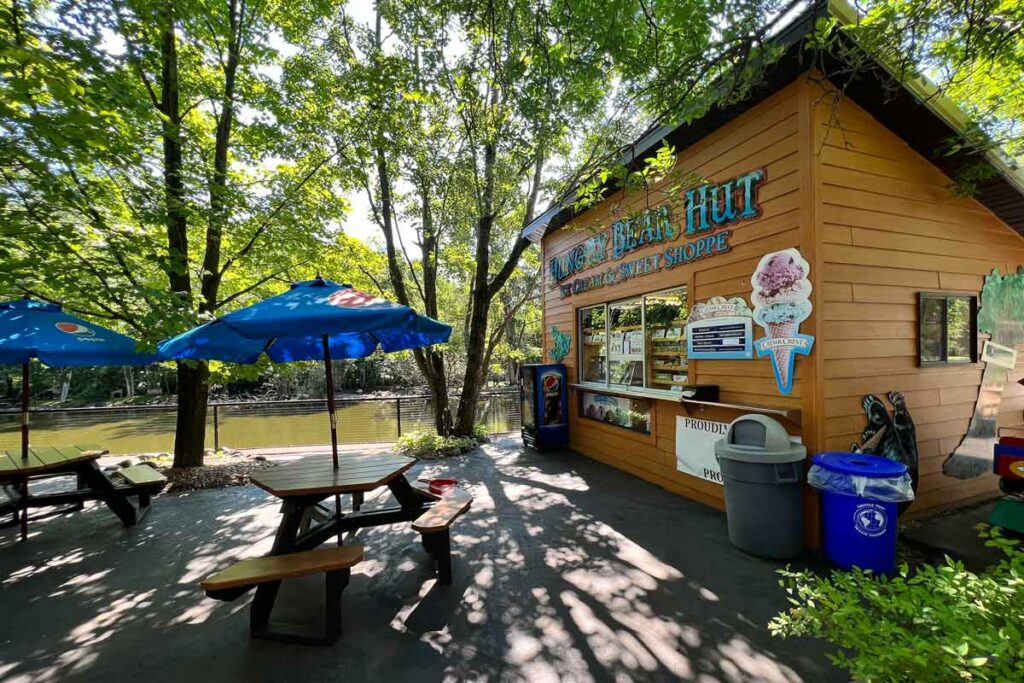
point(564, 570)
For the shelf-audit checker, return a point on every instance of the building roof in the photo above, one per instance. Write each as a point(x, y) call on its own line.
point(912, 110)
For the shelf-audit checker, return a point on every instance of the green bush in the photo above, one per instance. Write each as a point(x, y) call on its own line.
point(937, 623)
point(480, 433)
point(428, 444)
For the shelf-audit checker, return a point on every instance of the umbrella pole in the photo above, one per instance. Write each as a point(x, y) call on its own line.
point(24, 409)
point(328, 371)
point(25, 391)
point(330, 401)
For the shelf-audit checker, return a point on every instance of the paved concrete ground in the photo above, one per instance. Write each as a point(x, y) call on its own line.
point(955, 534)
point(565, 569)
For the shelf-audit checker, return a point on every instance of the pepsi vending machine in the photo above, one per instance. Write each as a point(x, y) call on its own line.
point(544, 398)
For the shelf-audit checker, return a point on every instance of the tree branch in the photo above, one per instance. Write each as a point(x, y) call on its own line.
point(262, 281)
point(265, 225)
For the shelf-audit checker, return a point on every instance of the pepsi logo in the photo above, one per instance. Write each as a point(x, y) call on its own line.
point(351, 298)
point(75, 329)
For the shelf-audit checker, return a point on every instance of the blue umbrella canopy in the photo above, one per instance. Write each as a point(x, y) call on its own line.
point(291, 326)
point(35, 329)
point(312, 320)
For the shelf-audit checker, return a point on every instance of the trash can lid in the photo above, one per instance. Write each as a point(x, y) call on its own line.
point(861, 464)
point(759, 439)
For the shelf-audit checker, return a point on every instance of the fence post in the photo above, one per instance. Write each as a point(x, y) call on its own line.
point(216, 428)
point(398, 415)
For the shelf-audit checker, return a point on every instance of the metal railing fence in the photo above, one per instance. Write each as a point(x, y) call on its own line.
point(255, 424)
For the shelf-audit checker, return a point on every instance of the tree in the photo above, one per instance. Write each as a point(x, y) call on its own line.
point(151, 174)
point(971, 50)
point(462, 107)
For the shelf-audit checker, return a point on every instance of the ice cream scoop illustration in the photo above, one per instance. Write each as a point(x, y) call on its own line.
point(781, 278)
point(781, 300)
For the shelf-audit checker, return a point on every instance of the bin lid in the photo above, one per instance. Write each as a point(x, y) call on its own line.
point(759, 439)
point(861, 464)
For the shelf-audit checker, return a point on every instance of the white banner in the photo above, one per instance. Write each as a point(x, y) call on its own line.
point(695, 447)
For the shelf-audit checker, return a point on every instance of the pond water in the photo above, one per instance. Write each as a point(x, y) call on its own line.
point(135, 430)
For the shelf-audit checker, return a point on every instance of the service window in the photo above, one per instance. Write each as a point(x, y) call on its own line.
point(594, 344)
point(947, 329)
point(626, 343)
point(665, 316)
point(637, 343)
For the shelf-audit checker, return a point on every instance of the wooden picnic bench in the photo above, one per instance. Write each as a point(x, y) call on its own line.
point(266, 574)
point(434, 525)
point(140, 481)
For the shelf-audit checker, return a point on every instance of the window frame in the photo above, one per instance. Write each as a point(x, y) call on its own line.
point(972, 302)
point(643, 391)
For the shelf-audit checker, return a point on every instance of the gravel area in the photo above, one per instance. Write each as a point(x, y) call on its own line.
point(231, 468)
point(216, 473)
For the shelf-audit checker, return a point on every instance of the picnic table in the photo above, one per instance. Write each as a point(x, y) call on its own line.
point(302, 485)
point(93, 484)
point(306, 523)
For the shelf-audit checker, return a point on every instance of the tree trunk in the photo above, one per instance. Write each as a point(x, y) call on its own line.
point(129, 382)
point(476, 344)
point(190, 430)
point(442, 413)
point(218, 218)
point(480, 300)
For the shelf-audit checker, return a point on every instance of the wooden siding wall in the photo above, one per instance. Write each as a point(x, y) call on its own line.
point(765, 137)
point(889, 229)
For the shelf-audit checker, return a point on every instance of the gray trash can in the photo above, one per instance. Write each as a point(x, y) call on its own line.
point(763, 472)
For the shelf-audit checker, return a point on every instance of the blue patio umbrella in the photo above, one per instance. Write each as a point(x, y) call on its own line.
point(36, 329)
point(312, 320)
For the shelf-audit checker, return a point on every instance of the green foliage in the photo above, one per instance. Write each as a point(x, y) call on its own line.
point(973, 52)
point(654, 169)
point(935, 623)
point(1002, 301)
point(83, 170)
point(426, 444)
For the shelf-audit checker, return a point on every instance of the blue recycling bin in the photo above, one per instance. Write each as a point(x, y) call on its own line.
point(859, 523)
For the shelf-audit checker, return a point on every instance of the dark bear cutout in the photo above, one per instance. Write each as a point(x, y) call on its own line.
point(894, 438)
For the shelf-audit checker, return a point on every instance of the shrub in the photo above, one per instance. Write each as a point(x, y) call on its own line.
point(480, 433)
point(427, 444)
point(937, 623)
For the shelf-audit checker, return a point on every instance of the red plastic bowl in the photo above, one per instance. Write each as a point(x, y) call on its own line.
point(439, 486)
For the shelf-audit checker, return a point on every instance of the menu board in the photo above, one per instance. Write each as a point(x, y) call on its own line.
point(722, 338)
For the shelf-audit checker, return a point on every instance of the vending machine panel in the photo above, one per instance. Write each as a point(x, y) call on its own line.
point(545, 405)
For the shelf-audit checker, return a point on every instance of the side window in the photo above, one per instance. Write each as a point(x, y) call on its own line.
point(947, 329)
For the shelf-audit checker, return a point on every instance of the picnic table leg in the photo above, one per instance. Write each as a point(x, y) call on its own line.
point(291, 520)
point(105, 490)
point(262, 606)
point(23, 508)
point(439, 545)
point(405, 494)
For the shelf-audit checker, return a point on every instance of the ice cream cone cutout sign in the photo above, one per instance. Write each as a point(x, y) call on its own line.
point(781, 302)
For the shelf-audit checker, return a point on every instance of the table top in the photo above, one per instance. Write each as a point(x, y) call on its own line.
point(46, 459)
point(315, 474)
